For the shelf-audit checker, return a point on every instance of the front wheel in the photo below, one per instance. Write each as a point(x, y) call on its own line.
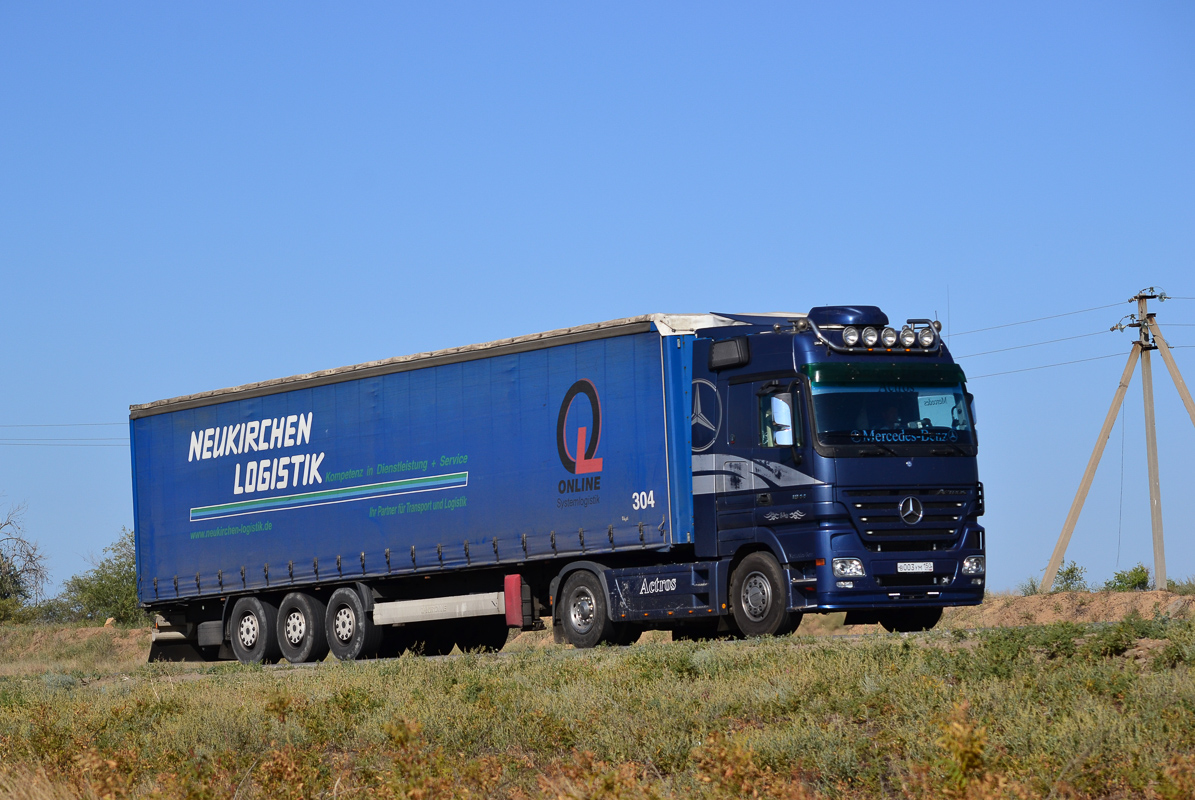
point(583, 611)
point(351, 633)
point(759, 597)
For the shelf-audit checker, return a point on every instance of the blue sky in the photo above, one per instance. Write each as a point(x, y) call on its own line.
point(198, 196)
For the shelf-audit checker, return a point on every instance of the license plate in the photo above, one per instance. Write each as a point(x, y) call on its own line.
point(915, 566)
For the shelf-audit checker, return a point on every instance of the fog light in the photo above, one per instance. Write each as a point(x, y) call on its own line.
point(927, 337)
point(848, 568)
point(850, 336)
point(977, 581)
point(908, 337)
point(888, 336)
point(870, 336)
point(974, 565)
point(845, 584)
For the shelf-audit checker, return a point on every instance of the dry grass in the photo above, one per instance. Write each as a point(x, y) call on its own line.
point(1075, 711)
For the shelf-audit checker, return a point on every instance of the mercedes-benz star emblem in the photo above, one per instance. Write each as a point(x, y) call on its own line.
point(707, 414)
point(911, 511)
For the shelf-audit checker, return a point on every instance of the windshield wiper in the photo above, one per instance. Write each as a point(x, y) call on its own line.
point(956, 450)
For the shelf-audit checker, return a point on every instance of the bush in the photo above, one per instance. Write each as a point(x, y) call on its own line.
point(1186, 586)
point(1129, 580)
point(108, 589)
point(1070, 579)
point(1029, 586)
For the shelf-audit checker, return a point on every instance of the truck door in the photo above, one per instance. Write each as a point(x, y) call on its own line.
point(780, 453)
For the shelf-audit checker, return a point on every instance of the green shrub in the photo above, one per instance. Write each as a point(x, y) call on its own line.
point(108, 589)
point(1129, 580)
point(1029, 586)
point(1186, 586)
point(1070, 579)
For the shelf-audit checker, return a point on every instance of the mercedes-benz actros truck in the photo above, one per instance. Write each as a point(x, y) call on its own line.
point(711, 474)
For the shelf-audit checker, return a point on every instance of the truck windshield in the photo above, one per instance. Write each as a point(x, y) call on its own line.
point(891, 408)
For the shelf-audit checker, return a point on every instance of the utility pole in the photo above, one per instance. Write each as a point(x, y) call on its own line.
point(1149, 338)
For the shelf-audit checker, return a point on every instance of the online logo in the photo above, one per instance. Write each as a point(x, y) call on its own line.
point(586, 445)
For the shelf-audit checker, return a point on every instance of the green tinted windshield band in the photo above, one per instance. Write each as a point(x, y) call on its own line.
point(846, 373)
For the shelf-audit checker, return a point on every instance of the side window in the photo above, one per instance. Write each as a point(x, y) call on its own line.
point(777, 421)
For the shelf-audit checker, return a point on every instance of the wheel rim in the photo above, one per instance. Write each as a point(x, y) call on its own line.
point(296, 627)
point(247, 631)
point(756, 596)
point(582, 610)
point(344, 624)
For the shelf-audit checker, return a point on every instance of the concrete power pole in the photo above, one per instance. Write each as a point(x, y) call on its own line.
point(1149, 339)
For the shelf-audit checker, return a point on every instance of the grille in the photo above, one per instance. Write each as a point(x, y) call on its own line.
point(876, 512)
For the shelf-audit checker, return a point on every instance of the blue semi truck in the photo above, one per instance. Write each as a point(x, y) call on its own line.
point(715, 475)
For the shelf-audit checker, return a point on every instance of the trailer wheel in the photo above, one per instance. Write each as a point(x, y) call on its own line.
point(758, 597)
point(253, 630)
point(351, 633)
point(301, 636)
point(583, 611)
point(910, 620)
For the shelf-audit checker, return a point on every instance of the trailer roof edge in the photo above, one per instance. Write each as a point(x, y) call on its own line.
point(666, 324)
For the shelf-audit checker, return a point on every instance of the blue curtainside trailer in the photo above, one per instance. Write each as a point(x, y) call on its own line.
point(711, 474)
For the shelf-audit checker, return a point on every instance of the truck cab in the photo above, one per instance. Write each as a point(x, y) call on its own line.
point(846, 448)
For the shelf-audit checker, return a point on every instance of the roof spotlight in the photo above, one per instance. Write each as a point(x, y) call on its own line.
point(908, 337)
point(850, 336)
point(870, 336)
point(927, 337)
point(888, 337)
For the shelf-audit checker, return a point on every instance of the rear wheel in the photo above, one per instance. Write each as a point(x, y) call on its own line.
point(910, 620)
point(758, 597)
point(301, 636)
point(351, 633)
point(583, 611)
point(253, 630)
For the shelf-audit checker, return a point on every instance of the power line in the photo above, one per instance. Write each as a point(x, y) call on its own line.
point(1038, 319)
point(1034, 344)
point(1046, 366)
point(1064, 363)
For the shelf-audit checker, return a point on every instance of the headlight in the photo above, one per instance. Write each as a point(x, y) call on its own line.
point(908, 337)
point(870, 336)
point(927, 337)
point(850, 336)
point(888, 337)
point(848, 568)
point(972, 565)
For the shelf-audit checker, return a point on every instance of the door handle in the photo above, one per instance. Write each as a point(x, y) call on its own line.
point(764, 499)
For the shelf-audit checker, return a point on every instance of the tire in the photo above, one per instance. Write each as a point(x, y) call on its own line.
point(910, 620)
point(253, 629)
point(758, 597)
point(350, 630)
point(583, 612)
point(485, 634)
point(301, 635)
